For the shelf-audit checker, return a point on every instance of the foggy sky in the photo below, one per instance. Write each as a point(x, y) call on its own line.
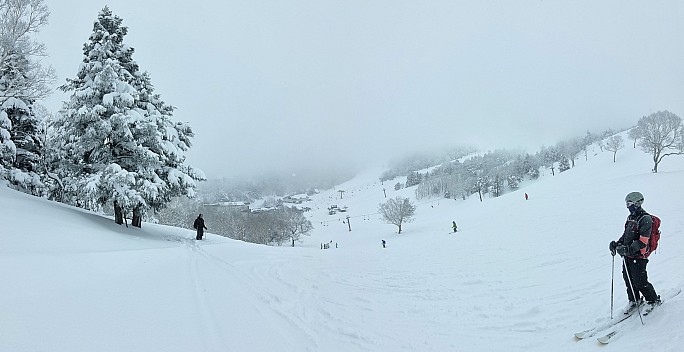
point(274, 85)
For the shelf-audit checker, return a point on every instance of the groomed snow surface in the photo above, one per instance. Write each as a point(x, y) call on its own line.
point(518, 276)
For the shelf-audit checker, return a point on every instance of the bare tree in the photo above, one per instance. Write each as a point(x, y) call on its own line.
point(634, 134)
point(614, 143)
point(180, 212)
point(271, 227)
point(480, 185)
point(397, 211)
point(660, 134)
point(295, 223)
point(19, 20)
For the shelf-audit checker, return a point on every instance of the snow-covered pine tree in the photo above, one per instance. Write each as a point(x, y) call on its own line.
point(117, 141)
point(21, 147)
point(8, 150)
point(563, 164)
point(413, 178)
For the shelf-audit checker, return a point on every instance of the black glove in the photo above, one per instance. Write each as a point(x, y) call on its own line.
point(612, 247)
point(634, 248)
point(621, 250)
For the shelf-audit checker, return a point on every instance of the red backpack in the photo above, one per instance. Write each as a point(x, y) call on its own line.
point(655, 237)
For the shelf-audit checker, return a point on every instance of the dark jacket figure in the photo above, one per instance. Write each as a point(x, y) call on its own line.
point(632, 245)
point(199, 225)
point(453, 225)
point(383, 243)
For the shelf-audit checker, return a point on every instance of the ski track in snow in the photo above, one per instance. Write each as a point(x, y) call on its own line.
point(263, 293)
point(208, 327)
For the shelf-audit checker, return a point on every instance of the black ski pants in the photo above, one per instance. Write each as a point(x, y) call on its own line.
point(639, 278)
point(200, 233)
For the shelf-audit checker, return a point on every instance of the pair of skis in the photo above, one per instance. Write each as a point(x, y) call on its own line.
point(615, 326)
point(614, 322)
point(607, 337)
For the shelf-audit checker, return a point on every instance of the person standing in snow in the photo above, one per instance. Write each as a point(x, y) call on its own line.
point(383, 243)
point(199, 225)
point(453, 226)
point(632, 245)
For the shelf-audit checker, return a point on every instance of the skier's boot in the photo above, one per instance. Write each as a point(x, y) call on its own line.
point(631, 307)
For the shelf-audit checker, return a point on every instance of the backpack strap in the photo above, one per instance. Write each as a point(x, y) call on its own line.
point(644, 239)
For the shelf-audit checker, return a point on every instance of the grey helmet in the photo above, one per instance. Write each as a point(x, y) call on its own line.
point(635, 198)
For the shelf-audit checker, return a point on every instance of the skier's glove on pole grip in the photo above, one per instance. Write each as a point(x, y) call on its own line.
point(612, 246)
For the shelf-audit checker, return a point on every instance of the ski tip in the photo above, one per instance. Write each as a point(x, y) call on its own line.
point(583, 334)
point(606, 339)
point(603, 341)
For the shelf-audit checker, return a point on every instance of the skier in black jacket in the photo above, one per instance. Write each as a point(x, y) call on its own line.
point(199, 225)
point(632, 245)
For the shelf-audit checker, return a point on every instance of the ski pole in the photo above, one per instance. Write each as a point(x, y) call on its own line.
point(612, 287)
point(629, 279)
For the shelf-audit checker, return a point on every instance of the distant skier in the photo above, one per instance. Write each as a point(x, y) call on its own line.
point(526, 196)
point(199, 225)
point(453, 226)
point(632, 246)
point(383, 244)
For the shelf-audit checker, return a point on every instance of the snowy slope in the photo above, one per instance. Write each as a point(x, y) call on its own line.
point(518, 276)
